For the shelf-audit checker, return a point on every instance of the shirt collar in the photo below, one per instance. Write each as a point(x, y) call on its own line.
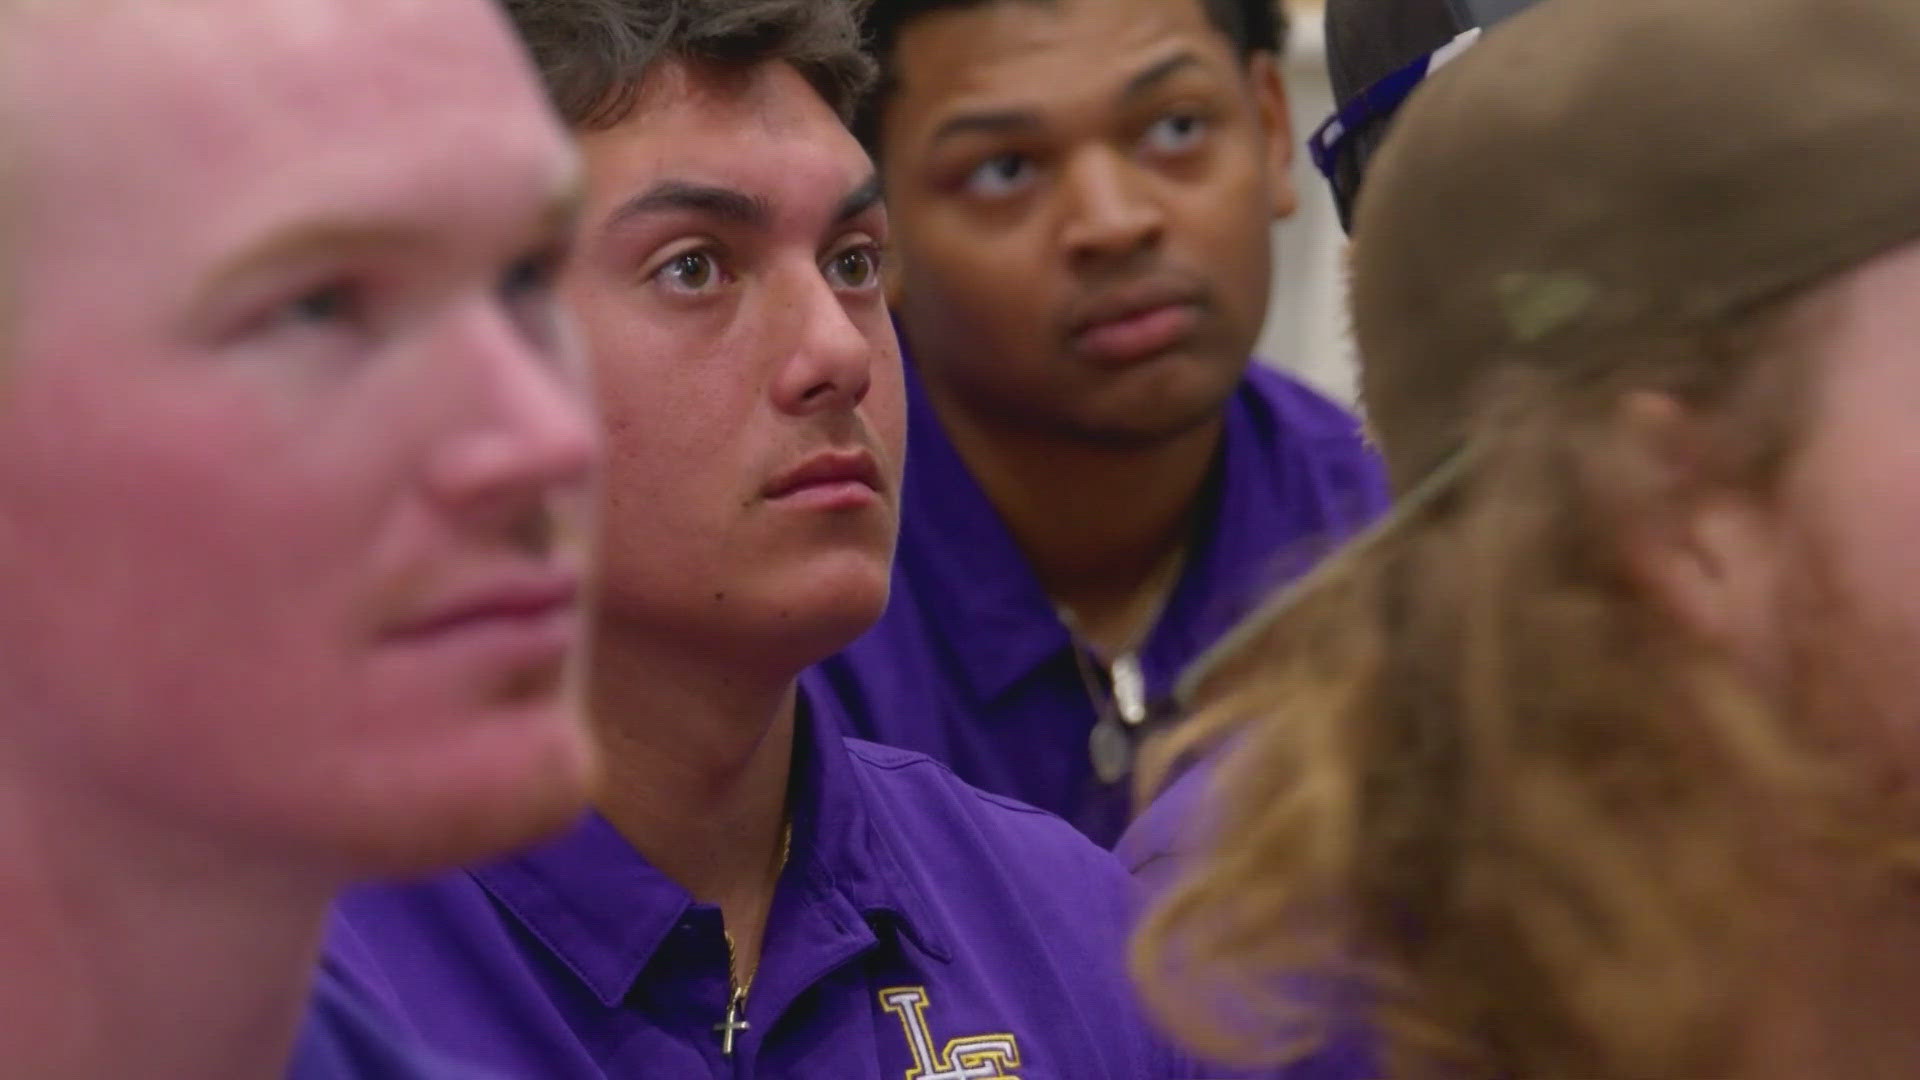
point(998, 622)
point(857, 847)
point(603, 910)
point(1255, 526)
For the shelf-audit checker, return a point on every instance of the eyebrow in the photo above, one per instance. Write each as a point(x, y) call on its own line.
point(1158, 73)
point(321, 238)
point(998, 122)
point(729, 205)
point(681, 196)
point(309, 241)
point(858, 201)
point(1011, 121)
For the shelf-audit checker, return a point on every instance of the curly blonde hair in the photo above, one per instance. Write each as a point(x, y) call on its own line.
point(1480, 788)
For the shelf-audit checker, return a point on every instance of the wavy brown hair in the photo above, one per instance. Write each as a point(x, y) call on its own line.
point(594, 54)
point(1480, 786)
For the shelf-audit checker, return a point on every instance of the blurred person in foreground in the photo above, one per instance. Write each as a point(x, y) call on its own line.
point(1597, 758)
point(1378, 53)
point(755, 895)
point(295, 456)
point(1100, 481)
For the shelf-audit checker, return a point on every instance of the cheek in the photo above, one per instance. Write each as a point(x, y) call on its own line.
point(1858, 484)
point(180, 608)
point(1229, 226)
point(667, 381)
point(673, 477)
point(885, 408)
point(671, 432)
point(993, 283)
point(1854, 608)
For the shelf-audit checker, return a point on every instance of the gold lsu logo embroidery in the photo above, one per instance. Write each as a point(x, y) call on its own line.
point(974, 1057)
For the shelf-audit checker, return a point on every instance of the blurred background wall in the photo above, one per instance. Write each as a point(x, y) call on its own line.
point(1306, 329)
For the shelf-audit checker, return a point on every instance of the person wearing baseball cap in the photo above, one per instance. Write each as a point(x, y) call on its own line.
point(1597, 757)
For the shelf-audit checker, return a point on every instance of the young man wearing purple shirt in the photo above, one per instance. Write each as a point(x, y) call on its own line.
point(295, 457)
point(756, 895)
point(1099, 483)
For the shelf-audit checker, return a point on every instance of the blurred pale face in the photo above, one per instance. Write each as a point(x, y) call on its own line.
point(727, 282)
point(294, 451)
point(1854, 496)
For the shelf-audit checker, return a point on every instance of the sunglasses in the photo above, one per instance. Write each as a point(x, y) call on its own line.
point(1334, 144)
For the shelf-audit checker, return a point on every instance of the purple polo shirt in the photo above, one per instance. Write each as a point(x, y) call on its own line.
point(972, 666)
point(1169, 832)
point(346, 1037)
point(921, 928)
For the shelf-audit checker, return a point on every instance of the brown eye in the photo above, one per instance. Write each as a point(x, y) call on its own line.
point(531, 276)
point(1175, 134)
point(689, 272)
point(1000, 176)
point(855, 269)
point(328, 304)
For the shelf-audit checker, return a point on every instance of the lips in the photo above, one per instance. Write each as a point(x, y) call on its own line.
point(833, 470)
point(1136, 322)
point(529, 602)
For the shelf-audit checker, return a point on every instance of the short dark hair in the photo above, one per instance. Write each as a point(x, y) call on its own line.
point(594, 54)
point(1254, 26)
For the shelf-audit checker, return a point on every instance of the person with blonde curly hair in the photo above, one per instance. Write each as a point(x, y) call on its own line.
point(1598, 757)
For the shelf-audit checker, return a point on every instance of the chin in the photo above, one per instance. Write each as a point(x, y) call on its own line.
point(1155, 406)
point(823, 609)
point(506, 782)
point(853, 588)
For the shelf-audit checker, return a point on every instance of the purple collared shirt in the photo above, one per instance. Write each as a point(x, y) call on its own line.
point(972, 666)
point(921, 928)
point(346, 1037)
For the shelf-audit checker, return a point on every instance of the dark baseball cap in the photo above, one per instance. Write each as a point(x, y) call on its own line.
point(1594, 176)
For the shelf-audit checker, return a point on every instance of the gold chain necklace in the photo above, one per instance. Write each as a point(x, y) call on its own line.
point(1121, 711)
point(735, 1021)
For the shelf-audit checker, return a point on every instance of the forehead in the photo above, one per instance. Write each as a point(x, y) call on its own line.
point(192, 126)
point(762, 131)
point(1023, 55)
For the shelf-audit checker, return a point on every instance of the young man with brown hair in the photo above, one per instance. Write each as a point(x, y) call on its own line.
point(756, 895)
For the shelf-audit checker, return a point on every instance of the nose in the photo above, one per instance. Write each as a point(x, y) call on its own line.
point(1110, 213)
point(526, 433)
point(830, 367)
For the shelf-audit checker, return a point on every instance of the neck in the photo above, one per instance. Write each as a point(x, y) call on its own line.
point(1100, 524)
point(698, 754)
point(1839, 989)
point(131, 951)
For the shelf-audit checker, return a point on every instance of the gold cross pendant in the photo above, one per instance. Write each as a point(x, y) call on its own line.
point(734, 1022)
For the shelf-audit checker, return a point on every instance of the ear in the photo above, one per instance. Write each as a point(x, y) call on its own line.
point(1710, 554)
point(1276, 130)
